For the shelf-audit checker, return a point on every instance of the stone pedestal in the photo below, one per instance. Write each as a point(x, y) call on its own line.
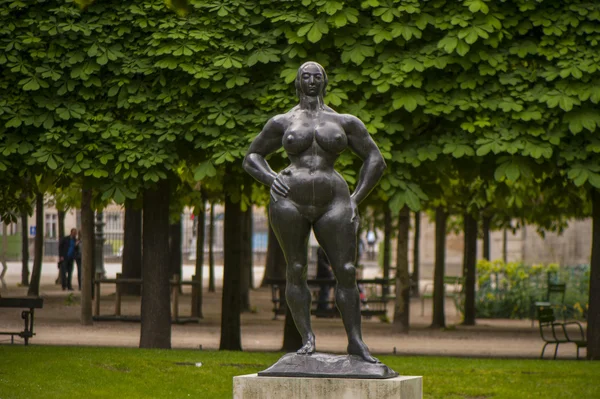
point(254, 387)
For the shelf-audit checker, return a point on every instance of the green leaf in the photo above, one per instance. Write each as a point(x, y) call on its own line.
point(317, 31)
point(462, 48)
point(448, 43)
point(594, 179)
point(52, 163)
point(413, 202)
point(397, 202)
point(408, 99)
point(205, 169)
point(584, 118)
point(477, 6)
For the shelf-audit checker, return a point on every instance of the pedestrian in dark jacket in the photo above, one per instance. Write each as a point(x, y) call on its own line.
point(67, 250)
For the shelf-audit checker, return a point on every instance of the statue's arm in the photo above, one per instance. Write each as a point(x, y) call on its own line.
point(267, 142)
point(362, 144)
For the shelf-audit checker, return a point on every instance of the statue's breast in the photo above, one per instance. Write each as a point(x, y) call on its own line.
point(331, 137)
point(298, 138)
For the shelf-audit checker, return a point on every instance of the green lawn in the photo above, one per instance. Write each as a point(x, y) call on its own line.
point(75, 372)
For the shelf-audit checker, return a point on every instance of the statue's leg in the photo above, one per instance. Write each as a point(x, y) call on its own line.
point(292, 231)
point(337, 235)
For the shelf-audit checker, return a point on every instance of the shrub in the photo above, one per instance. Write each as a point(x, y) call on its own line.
point(509, 290)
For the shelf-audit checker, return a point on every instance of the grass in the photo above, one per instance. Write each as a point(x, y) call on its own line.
point(74, 372)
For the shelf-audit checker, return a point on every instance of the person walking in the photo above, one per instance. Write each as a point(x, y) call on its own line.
point(66, 253)
point(371, 240)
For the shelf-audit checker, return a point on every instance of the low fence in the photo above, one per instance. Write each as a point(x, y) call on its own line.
point(114, 238)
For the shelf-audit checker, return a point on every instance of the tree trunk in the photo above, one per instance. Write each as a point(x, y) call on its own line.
point(275, 262)
point(505, 246)
point(200, 213)
point(469, 267)
point(24, 249)
point(175, 257)
point(487, 221)
point(387, 245)
point(416, 242)
point(87, 259)
point(402, 304)
point(250, 222)
point(36, 273)
point(439, 318)
point(4, 253)
point(593, 319)
point(61, 224)
point(156, 309)
point(61, 234)
point(211, 250)
point(246, 226)
point(232, 273)
point(131, 266)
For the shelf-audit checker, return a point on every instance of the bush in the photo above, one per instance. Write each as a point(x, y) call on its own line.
point(509, 290)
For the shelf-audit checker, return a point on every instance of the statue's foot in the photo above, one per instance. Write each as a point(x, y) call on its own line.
point(308, 348)
point(360, 349)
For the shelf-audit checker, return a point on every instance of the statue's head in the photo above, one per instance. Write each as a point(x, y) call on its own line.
point(311, 81)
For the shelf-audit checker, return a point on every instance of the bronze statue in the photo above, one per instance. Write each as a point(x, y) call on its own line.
point(310, 193)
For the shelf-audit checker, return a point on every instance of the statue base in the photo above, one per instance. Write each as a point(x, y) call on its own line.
point(323, 365)
point(253, 387)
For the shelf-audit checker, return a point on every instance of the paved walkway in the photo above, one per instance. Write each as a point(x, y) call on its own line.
point(58, 324)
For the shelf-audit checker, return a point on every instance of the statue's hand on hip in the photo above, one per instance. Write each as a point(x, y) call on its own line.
point(279, 187)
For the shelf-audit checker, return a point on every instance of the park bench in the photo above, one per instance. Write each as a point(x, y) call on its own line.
point(26, 315)
point(119, 281)
point(553, 332)
point(374, 302)
point(453, 288)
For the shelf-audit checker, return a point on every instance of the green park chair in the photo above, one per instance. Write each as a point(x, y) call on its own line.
point(553, 332)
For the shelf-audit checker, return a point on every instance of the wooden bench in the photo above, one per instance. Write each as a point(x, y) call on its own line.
point(553, 332)
point(26, 315)
point(175, 283)
point(373, 302)
point(453, 288)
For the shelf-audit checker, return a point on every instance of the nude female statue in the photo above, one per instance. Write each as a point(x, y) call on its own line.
point(309, 193)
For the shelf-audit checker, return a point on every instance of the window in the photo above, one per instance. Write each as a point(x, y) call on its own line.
point(51, 225)
point(113, 222)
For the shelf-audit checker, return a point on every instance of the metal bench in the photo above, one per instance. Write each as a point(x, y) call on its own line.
point(176, 283)
point(453, 288)
point(553, 332)
point(26, 315)
point(373, 303)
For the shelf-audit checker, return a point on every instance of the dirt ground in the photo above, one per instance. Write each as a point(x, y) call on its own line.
point(58, 324)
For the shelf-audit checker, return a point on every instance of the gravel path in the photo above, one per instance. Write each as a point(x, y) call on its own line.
point(58, 324)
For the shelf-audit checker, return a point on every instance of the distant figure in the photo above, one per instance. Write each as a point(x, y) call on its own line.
point(67, 249)
point(78, 259)
point(371, 240)
point(361, 249)
point(323, 272)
